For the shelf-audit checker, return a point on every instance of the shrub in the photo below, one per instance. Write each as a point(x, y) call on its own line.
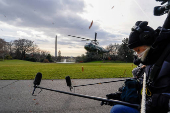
point(33, 59)
point(30, 59)
point(45, 61)
point(49, 58)
point(8, 57)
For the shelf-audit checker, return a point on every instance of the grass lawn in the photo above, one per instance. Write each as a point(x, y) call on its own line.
point(25, 70)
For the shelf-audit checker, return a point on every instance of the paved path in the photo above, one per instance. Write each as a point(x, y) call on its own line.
point(16, 96)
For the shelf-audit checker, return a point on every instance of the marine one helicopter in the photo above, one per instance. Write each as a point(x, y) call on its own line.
point(93, 45)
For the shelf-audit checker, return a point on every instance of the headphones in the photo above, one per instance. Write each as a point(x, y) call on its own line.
point(147, 35)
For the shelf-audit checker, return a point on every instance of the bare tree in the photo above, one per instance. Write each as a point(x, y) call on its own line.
point(22, 46)
point(37, 53)
point(9, 47)
point(113, 51)
point(2, 48)
point(22, 49)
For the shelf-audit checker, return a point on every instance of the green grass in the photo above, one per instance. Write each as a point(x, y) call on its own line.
point(25, 70)
point(106, 61)
point(96, 62)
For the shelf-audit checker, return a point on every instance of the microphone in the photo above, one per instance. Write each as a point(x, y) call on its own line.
point(37, 79)
point(68, 81)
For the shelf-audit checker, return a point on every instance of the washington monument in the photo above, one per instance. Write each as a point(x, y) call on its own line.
point(56, 46)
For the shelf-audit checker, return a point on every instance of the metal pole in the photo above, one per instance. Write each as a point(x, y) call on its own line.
point(143, 95)
point(137, 106)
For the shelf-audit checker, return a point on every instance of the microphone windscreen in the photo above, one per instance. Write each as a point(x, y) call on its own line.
point(68, 81)
point(37, 79)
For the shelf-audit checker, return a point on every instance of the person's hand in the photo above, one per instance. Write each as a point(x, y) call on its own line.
point(106, 103)
point(136, 61)
point(138, 71)
point(143, 66)
point(115, 96)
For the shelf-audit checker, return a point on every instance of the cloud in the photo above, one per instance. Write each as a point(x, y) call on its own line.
point(23, 34)
point(41, 20)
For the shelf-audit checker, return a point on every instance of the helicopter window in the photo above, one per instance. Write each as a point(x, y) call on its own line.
point(88, 43)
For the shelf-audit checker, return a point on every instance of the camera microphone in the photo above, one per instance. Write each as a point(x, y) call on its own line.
point(68, 81)
point(37, 79)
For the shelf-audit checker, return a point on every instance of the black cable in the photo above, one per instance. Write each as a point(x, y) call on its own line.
point(98, 83)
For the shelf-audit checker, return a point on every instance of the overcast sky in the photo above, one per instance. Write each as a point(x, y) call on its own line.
point(41, 20)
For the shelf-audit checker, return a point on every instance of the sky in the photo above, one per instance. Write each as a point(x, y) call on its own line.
point(42, 20)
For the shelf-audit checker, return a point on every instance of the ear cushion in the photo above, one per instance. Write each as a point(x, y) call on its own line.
point(146, 38)
point(146, 33)
point(143, 24)
point(137, 23)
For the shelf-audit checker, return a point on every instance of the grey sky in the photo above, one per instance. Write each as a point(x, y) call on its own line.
point(41, 20)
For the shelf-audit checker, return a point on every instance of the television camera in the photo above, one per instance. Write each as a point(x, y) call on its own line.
point(160, 10)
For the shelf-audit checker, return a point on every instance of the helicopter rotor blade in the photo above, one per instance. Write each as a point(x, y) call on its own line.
point(79, 37)
point(71, 36)
point(83, 38)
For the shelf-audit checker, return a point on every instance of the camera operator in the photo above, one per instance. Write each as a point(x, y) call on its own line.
point(152, 48)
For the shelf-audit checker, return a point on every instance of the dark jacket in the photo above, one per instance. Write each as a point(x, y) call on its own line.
point(158, 103)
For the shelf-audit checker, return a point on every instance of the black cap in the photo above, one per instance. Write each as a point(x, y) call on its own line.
point(134, 40)
point(134, 37)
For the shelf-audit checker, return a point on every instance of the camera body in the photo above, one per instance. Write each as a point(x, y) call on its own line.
point(162, 0)
point(160, 10)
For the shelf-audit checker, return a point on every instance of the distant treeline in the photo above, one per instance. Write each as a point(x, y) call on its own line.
point(25, 49)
